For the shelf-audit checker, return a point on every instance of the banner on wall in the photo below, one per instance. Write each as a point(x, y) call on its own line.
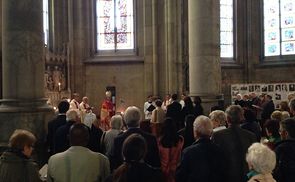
point(278, 91)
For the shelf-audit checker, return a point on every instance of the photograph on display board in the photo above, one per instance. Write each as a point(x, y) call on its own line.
point(284, 88)
point(270, 88)
point(278, 91)
point(264, 88)
point(278, 88)
point(257, 88)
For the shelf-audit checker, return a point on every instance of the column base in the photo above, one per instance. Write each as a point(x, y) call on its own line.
point(25, 115)
point(209, 101)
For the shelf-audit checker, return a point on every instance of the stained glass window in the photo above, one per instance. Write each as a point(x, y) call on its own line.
point(226, 29)
point(115, 24)
point(45, 21)
point(279, 27)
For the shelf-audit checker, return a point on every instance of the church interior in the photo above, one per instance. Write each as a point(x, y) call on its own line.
point(53, 49)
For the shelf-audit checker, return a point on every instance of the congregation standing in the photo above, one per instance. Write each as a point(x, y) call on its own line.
point(176, 143)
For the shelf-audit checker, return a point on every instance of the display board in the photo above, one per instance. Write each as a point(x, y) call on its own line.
point(278, 91)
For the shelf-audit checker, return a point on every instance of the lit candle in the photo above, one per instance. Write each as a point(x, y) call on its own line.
point(59, 89)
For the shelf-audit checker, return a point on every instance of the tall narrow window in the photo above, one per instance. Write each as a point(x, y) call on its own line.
point(115, 28)
point(279, 27)
point(226, 29)
point(45, 21)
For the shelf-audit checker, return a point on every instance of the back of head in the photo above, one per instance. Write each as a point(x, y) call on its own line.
point(234, 114)
point(72, 115)
point(197, 100)
point(277, 115)
point(132, 116)
point(285, 115)
point(21, 138)
point(134, 148)
point(63, 106)
point(260, 158)
point(158, 103)
point(249, 115)
point(79, 135)
point(289, 126)
point(272, 127)
point(218, 116)
point(203, 126)
point(116, 122)
point(174, 97)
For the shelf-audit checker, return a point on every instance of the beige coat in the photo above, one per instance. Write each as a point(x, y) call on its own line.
point(262, 178)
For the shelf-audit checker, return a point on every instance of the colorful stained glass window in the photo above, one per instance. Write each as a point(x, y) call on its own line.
point(279, 27)
point(45, 21)
point(115, 24)
point(226, 29)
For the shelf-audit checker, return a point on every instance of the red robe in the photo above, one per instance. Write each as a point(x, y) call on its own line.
point(107, 111)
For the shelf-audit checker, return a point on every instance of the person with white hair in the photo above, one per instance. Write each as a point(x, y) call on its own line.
point(218, 120)
point(108, 137)
point(203, 160)
point(132, 117)
point(261, 161)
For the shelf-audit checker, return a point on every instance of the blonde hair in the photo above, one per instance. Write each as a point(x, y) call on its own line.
point(277, 115)
point(285, 115)
point(261, 158)
point(218, 116)
point(21, 138)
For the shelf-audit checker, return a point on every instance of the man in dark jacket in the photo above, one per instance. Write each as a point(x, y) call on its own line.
point(285, 152)
point(132, 118)
point(234, 142)
point(61, 139)
point(53, 125)
point(174, 111)
point(203, 161)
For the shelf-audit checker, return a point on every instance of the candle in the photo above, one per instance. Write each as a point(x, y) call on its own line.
point(59, 88)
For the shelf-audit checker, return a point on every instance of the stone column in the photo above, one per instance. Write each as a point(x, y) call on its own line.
point(204, 51)
point(23, 104)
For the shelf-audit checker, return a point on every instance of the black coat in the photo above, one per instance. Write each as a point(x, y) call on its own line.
point(268, 109)
point(285, 153)
point(152, 157)
point(53, 125)
point(235, 141)
point(62, 137)
point(202, 162)
point(174, 112)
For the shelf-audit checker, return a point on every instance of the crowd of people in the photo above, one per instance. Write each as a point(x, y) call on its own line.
point(172, 142)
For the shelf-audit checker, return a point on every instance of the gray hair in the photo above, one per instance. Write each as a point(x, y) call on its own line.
point(234, 113)
point(218, 116)
point(132, 116)
point(261, 158)
point(203, 126)
point(116, 122)
point(72, 115)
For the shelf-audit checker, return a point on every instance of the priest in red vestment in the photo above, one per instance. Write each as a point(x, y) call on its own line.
point(107, 111)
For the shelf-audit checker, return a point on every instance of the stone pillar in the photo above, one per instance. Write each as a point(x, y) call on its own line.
point(204, 51)
point(23, 104)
